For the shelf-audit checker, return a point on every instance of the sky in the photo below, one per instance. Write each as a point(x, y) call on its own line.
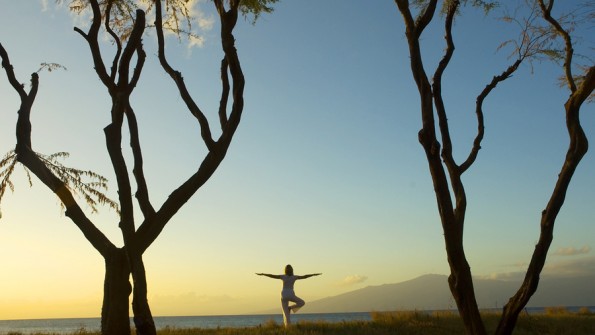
point(325, 171)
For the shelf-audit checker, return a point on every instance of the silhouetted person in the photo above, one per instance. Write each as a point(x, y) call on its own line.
point(287, 294)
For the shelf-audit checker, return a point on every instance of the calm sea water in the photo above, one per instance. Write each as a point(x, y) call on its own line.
point(69, 326)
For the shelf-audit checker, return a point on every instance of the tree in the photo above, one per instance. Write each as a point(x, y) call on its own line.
point(446, 173)
point(581, 89)
point(125, 24)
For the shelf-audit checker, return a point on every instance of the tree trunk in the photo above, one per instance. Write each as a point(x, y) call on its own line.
point(460, 282)
point(576, 150)
point(115, 317)
point(143, 319)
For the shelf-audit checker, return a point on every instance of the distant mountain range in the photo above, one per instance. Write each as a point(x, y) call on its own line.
point(430, 292)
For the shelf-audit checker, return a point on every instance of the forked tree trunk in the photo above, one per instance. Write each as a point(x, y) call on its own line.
point(115, 317)
point(460, 280)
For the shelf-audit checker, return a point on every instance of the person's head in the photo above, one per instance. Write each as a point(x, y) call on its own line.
point(289, 270)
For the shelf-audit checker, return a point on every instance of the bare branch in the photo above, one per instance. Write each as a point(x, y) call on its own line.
point(110, 31)
point(132, 45)
point(479, 112)
point(92, 38)
point(142, 193)
point(150, 229)
point(586, 88)
point(224, 94)
point(437, 90)
point(424, 18)
point(12, 79)
point(26, 156)
point(569, 50)
point(403, 6)
point(179, 81)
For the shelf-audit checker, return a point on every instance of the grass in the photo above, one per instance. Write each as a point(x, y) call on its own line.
point(554, 321)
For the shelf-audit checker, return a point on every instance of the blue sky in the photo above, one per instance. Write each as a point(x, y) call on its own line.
point(325, 171)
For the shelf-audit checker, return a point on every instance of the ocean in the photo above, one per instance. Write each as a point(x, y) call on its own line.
point(69, 326)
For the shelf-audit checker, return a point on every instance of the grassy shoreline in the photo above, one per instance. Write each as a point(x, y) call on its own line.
point(558, 321)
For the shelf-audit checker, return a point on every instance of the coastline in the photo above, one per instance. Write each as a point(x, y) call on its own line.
point(92, 325)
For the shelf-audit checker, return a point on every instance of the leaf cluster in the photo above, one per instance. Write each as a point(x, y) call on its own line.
point(89, 185)
point(51, 67)
point(7, 165)
point(486, 5)
point(253, 8)
point(535, 41)
point(178, 13)
point(121, 13)
point(539, 41)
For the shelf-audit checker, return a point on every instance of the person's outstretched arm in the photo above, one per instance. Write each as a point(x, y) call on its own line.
point(308, 276)
point(269, 275)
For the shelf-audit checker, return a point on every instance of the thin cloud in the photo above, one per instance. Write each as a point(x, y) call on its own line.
point(353, 280)
point(567, 268)
point(505, 276)
point(205, 22)
point(571, 268)
point(198, 17)
point(44, 5)
point(572, 251)
point(517, 273)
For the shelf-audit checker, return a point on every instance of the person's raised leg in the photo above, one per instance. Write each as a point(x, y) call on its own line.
point(299, 303)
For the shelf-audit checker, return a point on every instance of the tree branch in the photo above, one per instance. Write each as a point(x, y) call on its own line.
point(437, 90)
point(577, 148)
point(134, 43)
point(422, 21)
point(140, 62)
point(479, 112)
point(224, 94)
point(28, 158)
point(228, 22)
point(99, 241)
point(12, 79)
point(113, 140)
point(585, 89)
point(403, 6)
point(142, 193)
point(179, 81)
point(150, 229)
point(92, 39)
point(547, 15)
point(110, 31)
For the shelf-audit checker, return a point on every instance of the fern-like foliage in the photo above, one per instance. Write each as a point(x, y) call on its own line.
point(7, 165)
point(86, 184)
point(179, 14)
point(51, 67)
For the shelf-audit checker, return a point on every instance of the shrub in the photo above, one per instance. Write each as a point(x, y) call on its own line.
point(556, 310)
